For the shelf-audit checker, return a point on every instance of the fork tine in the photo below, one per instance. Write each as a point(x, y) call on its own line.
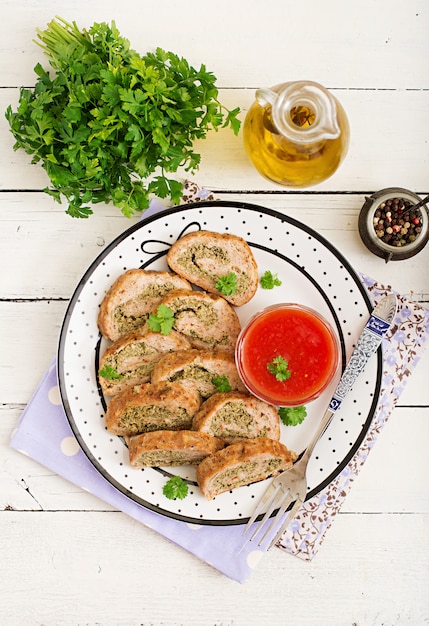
point(286, 522)
point(287, 499)
point(267, 497)
point(275, 502)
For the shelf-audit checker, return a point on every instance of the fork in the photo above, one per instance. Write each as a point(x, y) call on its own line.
point(291, 485)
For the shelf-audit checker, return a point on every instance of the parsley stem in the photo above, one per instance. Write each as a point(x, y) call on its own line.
point(108, 118)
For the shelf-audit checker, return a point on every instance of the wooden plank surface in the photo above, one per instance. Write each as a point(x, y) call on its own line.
point(81, 562)
point(369, 44)
point(67, 557)
point(382, 151)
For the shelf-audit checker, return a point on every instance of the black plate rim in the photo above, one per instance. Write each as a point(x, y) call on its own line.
point(142, 224)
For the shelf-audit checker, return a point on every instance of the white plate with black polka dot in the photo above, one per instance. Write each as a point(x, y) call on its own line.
point(312, 272)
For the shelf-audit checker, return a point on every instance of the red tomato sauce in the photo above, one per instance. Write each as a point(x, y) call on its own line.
point(303, 339)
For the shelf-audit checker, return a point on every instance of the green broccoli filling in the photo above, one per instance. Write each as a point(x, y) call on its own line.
point(232, 420)
point(245, 474)
point(126, 322)
point(158, 458)
point(199, 375)
point(152, 417)
point(190, 258)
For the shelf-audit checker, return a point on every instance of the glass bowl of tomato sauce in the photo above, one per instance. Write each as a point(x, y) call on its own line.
point(287, 354)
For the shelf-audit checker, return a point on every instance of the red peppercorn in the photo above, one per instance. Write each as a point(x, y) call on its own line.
point(396, 223)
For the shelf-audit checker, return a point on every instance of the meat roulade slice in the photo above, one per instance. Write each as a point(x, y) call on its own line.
point(129, 360)
point(203, 257)
point(169, 406)
point(241, 464)
point(206, 320)
point(166, 448)
point(198, 370)
point(132, 298)
point(234, 416)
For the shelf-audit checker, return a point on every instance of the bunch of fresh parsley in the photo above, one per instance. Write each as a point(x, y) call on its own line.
point(109, 119)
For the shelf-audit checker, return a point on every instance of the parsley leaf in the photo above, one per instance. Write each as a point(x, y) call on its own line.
point(279, 368)
point(174, 488)
point(292, 415)
point(162, 321)
point(110, 125)
point(232, 120)
point(221, 383)
point(269, 280)
point(227, 285)
point(110, 373)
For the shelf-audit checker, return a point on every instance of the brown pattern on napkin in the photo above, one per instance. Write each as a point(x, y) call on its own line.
point(193, 193)
point(401, 349)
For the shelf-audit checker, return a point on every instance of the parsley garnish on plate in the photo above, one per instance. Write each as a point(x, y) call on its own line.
point(279, 368)
point(227, 285)
point(162, 321)
point(269, 280)
point(110, 373)
point(175, 487)
point(292, 415)
point(221, 383)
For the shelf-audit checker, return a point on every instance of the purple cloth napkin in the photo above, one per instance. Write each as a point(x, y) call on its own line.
point(44, 434)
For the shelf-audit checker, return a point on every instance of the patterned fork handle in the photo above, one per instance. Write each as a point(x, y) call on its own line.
point(375, 329)
point(292, 484)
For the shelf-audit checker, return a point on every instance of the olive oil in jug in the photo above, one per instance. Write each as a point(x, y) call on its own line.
point(296, 134)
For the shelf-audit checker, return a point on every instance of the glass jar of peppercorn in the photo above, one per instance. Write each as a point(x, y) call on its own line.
point(390, 227)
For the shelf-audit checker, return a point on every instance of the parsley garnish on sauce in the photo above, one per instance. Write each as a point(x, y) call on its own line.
point(269, 280)
point(162, 321)
point(227, 285)
point(174, 488)
point(292, 415)
point(279, 368)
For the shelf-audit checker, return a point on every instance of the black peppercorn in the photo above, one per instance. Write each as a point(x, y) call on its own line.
point(391, 227)
point(395, 223)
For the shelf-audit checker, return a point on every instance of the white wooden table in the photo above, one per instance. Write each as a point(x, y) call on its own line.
point(68, 558)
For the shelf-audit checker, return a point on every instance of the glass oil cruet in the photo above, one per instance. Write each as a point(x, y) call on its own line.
point(296, 134)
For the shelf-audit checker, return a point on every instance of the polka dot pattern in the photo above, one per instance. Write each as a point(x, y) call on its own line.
point(69, 446)
point(254, 557)
point(54, 396)
point(312, 273)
